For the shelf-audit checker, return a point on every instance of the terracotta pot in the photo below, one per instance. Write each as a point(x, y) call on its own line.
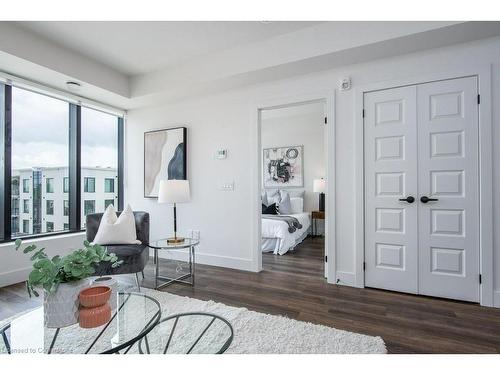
point(113, 284)
point(94, 296)
point(60, 309)
point(91, 317)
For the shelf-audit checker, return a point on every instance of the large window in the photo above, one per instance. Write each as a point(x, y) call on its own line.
point(40, 145)
point(99, 159)
point(61, 159)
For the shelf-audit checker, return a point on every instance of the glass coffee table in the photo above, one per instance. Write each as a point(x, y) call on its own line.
point(189, 333)
point(162, 245)
point(136, 316)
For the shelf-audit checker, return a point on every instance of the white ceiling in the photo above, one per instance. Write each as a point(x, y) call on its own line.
point(134, 48)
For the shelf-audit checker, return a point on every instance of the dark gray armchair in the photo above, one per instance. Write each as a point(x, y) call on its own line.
point(135, 257)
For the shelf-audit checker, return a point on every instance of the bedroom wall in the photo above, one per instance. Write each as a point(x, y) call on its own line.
point(226, 121)
point(299, 125)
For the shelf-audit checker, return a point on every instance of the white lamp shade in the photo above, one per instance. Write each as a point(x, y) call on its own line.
point(173, 191)
point(319, 185)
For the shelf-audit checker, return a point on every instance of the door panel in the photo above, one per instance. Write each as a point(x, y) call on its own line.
point(391, 174)
point(448, 171)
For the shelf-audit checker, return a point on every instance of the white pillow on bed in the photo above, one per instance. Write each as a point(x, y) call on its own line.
point(297, 205)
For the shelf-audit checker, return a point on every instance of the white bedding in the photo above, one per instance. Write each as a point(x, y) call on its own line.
point(278, 231)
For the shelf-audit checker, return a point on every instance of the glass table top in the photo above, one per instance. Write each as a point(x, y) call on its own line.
point(162, 243)
point(135, 316)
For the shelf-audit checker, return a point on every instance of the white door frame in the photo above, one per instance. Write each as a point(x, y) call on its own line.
point(328, 97)
point(483, 73)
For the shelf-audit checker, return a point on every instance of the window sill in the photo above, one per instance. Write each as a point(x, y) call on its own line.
point(44, 236)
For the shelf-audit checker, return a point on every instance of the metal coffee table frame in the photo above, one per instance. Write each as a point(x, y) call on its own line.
point(214, 317)
point(190, 245)
point(116, 350)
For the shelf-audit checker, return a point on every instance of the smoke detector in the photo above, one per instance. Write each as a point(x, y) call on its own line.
point(73, 86)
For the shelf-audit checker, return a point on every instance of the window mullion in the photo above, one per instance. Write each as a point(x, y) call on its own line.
point(121, 137)
point(75, 132)
point(6, 160)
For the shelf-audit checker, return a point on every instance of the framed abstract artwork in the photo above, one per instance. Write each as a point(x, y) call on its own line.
point(164, 158)
point(283, 167)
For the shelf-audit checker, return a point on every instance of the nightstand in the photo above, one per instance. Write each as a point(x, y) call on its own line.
point(315, 216)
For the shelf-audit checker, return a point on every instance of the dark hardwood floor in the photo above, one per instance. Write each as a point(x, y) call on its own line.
point(293, 285)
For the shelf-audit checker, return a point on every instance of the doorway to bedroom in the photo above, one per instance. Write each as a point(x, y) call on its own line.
point(293, 184)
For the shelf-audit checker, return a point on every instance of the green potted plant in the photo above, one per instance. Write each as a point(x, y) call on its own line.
point(62, 277)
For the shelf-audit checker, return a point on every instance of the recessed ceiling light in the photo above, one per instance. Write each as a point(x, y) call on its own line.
point(73, 86)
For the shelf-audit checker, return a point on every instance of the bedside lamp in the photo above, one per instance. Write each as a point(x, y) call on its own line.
point(174, 191)
point(319, 186)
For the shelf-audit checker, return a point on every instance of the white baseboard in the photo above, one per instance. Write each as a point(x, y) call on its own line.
point(496, 298)
point(346, 278)
point(209, 259)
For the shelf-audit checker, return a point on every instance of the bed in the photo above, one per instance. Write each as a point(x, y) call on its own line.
point(277, 239)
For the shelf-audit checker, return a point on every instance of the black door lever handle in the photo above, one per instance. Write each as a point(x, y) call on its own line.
point(425, 199)
point(408, 199)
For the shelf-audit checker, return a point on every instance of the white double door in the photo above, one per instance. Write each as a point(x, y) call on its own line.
point(421, 142)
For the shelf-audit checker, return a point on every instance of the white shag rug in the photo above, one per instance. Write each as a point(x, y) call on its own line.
point(254, 333)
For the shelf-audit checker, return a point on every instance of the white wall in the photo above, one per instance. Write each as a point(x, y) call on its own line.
point(227, 121)
point(299, 125)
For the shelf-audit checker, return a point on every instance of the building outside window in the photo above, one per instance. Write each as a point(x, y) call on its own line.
point(66, 226)
point(108, 202)
point(109, 185)
point(89, 207)
point(89, 185)
point(26, 185)
point(26, 226)
point(26, 206)
point(66, 208)
point(49, 207)
point(49, 185)
point(49, 226)
point(14, 226)
point(66, 185)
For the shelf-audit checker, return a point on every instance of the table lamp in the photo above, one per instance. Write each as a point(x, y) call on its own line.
point(319, 186)
point(174, 191)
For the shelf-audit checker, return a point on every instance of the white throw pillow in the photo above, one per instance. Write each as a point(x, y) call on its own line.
point(115, 230)
point(297, 205)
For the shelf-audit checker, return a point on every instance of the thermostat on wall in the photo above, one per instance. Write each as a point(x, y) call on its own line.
point(221, 154)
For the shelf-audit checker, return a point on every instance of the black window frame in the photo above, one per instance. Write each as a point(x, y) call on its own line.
point(75, 177)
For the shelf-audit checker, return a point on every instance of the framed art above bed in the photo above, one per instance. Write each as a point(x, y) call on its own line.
point(283, 167)
point(164, 158)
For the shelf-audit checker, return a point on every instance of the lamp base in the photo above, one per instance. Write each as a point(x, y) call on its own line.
point(175, 240)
